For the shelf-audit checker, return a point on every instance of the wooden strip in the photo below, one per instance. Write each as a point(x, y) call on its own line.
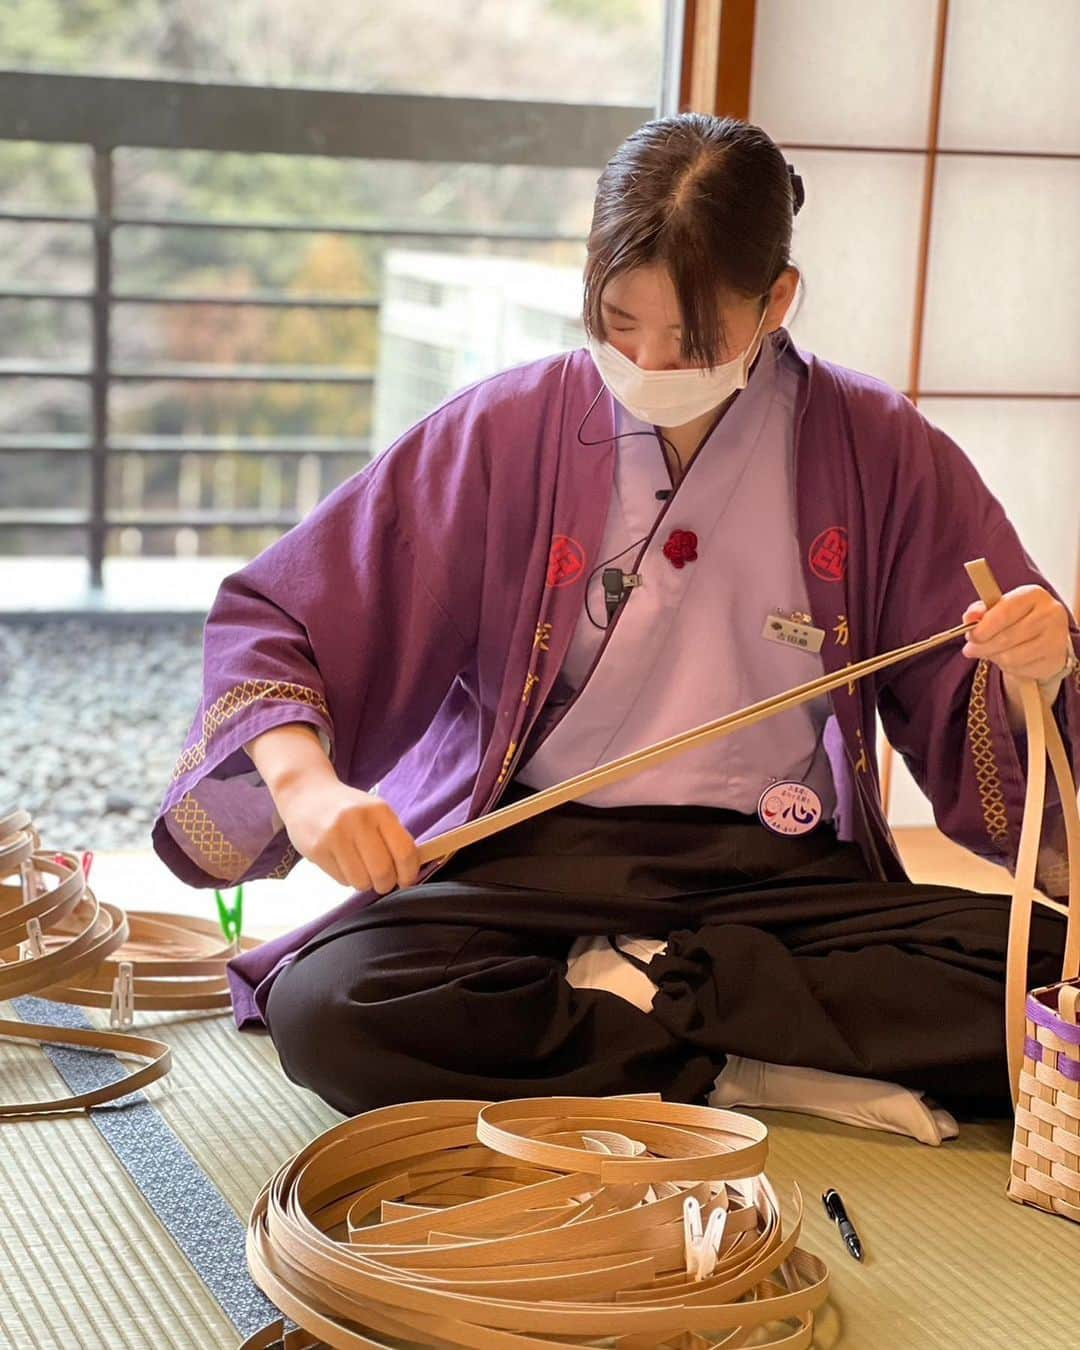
point(503, 818)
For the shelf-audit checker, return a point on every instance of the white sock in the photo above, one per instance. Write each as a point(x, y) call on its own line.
point(868, 1102)
point(593, 963)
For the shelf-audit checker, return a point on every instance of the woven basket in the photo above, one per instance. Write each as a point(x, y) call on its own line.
point(1046, 1141)
point(1042, 1037)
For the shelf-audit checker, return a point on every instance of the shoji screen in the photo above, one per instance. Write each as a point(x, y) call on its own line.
point(939, 141)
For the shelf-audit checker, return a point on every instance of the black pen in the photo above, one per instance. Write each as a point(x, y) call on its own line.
point(834, 1208)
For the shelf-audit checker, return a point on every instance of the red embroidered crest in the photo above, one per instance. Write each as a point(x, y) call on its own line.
point(566, 561)
point(681, 548)
point(828, 554)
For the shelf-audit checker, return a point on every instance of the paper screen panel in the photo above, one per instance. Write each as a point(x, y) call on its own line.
point(908, 808)
point(843, 72)
point(856, 243)
point(1003, 294)
point(1011, 76)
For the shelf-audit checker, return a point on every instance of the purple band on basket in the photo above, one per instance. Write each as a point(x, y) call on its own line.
point(1068, 1068)
point(1038, 1012)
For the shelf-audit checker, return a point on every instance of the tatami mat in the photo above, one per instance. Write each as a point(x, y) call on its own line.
point(950, 1263)
point(83, 1262)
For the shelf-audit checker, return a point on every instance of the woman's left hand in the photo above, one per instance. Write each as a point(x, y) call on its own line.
point(1026, 633)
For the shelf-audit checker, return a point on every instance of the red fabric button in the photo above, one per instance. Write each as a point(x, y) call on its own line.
point(681, 548)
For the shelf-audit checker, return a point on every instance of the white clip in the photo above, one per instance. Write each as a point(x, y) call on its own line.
point(701, 1248)
point(33, 947)
point(31, 882)
point(122, 1007)
point(691, 1217)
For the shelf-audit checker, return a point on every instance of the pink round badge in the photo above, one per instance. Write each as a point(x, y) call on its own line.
point(789, 808)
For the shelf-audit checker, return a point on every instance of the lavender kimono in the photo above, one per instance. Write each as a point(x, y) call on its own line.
point(419, 616)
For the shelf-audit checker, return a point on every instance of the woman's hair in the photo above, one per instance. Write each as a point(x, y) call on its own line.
point(709, 198)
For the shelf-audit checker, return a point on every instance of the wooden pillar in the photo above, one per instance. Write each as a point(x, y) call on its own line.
point(933, 124)
point(718, 51)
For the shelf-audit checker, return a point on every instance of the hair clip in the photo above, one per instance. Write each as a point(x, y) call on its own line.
point(798, 192)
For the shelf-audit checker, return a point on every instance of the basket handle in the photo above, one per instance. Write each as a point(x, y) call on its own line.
point(1069, 1003)
point(1043, 740)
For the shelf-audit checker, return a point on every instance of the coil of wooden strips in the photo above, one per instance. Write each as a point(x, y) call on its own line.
point(548, 1221)
point(59, 942)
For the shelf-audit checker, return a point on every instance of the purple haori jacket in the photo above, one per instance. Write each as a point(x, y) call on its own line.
point(421, 612)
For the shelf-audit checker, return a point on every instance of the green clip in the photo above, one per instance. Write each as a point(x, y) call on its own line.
point(231, 920)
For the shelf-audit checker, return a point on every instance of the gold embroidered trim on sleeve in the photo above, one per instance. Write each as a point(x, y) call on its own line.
point(234, 701)
point(987, 775)
point(285, 866)
point(221, 857)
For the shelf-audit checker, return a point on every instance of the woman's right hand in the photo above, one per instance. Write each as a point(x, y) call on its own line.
point(354, 836)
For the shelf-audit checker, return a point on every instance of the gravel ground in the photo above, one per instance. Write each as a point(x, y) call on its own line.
point(93, 713)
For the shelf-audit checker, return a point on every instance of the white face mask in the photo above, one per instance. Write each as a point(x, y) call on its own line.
point(671, 398)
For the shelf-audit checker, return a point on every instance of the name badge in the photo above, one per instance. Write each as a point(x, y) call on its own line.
point(794, 630)
point(789, 808)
